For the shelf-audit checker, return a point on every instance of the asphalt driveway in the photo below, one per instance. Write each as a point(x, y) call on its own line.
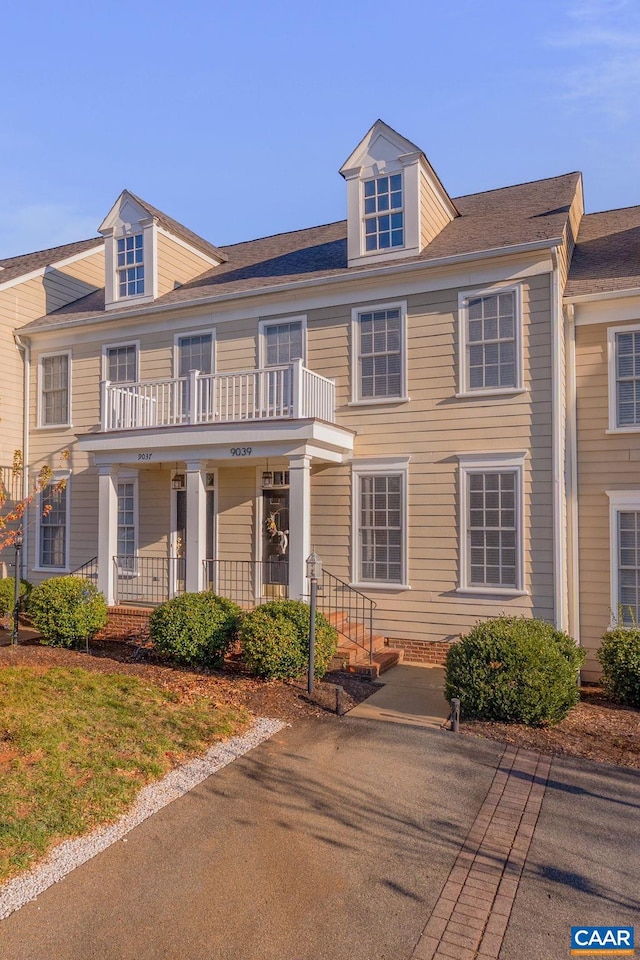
point(334, 840)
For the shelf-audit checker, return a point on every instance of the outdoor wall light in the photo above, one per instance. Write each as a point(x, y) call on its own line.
point(178, 481)
point(267, 478)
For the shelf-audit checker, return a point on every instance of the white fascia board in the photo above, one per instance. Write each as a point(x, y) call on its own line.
point(607, 310)
point(55, 263)
point(389, 272)
point(603, 295)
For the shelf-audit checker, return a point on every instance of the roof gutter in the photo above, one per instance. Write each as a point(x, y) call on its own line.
point(24, 346)
point(369, 274)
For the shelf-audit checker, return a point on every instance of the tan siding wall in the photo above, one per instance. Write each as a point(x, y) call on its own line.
point(605, 462)
point(433, 216)
point(176, 264)
point(433, 429)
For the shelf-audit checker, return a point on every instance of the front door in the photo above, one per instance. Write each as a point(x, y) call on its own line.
point(275, 544)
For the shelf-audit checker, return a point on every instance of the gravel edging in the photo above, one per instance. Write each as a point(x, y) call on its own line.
point(73, 853)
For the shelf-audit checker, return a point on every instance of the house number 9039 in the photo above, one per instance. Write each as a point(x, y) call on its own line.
point(240, 451)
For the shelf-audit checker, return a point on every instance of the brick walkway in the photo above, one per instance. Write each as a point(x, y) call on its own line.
point(470, 918)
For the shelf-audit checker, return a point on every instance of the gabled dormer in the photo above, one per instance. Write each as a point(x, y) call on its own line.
point(148, 253)
point(395, 202)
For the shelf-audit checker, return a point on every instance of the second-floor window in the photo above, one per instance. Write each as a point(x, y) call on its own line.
point(383, 213)
point(627, 378)
point(490, 336)
point(380, 363)
point(195, 353)
point(282, 343)
point(54, 390)
point(122, 363)
point(130, 266)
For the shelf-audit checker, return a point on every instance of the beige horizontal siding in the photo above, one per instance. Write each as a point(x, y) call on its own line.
point(433, 214)
point(177, 264)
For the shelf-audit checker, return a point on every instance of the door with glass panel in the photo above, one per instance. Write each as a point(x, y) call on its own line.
point(195, 353)
point(283, 343)
point(121, 367)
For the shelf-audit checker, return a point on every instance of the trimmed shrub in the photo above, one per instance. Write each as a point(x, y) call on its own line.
point(515, 670)
point(195, 628)
point(620, 659)
point(67, 610)
point(275, 640)
point(7, 595)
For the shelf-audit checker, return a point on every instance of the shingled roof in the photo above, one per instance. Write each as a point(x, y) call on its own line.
point(180, 231)
point(607, 254)
point(14, 267)
point(493, 220)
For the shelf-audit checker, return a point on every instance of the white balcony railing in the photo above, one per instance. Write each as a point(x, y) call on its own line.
point(274, 393)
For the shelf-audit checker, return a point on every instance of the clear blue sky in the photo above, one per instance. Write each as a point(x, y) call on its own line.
point(235, 117)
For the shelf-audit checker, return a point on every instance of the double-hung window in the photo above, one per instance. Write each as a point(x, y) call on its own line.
point(383, 213)
point(624, 378)
point(122, 363)
point(490, 338)
point(282, 342)
point(126, 526)
point(380, 523)
point(54, 389)
point(625, 556)
point(52, 526)
point(380, 361)
point(491, 524)
point(130, 266)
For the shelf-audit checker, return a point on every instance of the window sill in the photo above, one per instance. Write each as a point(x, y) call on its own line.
point(53, 426)
point(389, 587)
point(498, 592)
point(617, 430)
point(506, 392)
point(60, 570)
point(379, 402)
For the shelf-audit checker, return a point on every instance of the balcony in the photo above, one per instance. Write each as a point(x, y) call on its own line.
point(289, 392)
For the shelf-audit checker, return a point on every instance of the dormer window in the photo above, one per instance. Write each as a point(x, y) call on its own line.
point(383, 213)
point(130, 266)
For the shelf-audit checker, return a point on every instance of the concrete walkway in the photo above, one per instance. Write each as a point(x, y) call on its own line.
point(410, 693)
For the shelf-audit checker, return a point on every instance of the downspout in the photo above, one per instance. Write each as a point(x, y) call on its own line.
point(557, 453)
point(572, 476)
point(24, 346)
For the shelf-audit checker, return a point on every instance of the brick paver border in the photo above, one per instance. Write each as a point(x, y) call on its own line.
point(470, 919)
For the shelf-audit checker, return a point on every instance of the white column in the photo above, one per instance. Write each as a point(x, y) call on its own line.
point(196, 534)
point(299, 524)
point(107, 530)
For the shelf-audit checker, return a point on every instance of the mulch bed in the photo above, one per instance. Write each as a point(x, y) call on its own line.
point(233, 685)
point(596, 729)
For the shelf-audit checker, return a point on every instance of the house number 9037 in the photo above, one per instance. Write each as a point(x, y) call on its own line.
point(240, 451)
point(145, 456)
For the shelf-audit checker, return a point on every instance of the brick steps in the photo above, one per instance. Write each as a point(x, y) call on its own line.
point(352, 655)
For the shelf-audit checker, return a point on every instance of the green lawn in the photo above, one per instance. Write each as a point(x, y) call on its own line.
point(76, 747)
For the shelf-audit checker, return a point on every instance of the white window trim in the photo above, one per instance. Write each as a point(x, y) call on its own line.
point(274, 322)
point(364, 217)
point(356, 400)
point(148, 229)
point(484, 463)
point(204, 332)
point(126, 476)
point(57, 476)
point(619, 501)
point(388, 466)
point(612, 376)
point(41, 425)
point(463, 313)
point(114, 346)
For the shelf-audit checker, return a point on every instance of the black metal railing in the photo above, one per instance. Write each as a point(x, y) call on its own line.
point(148, 579)
point(88, 570)
point(350, 611)
point(248, 582)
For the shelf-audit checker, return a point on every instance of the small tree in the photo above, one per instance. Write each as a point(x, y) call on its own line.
point(12, 513)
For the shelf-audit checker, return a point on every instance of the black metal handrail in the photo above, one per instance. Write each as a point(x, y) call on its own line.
point(148, 579)
point(88, 570)
point(343, 605)
point(248, 583)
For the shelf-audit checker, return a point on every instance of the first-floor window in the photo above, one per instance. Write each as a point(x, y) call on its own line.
point(628, 562)
point(126, 525)
point(491, 528)
point(381, 527)
point(53, 527)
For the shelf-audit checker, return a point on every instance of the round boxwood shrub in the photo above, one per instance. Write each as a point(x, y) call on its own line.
point(7, 595)
point(67, 610)
point(620, 659)
point(275, 640)
point(195, 628)
point(514, 669)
